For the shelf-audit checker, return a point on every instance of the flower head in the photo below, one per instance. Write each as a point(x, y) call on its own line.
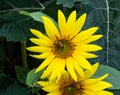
point(65, 47)
point(84, 86)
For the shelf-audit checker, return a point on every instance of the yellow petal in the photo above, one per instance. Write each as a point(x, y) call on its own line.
point(102, 77)
point(85, 34)
point(50, 28)
point(58, 69)
point(88, 73)
point(41, 83)
point(45, 63)
point(50, 88)
point(66, 75)
point(88, 47)
point(71, 18)
point(92, 39)
point(56, 92)
point(50, 68)
point(98, 86)
point(62, 22)
point(41, 56)
point(41, 42)
point(104, 93)
point(76, 67)
point(87, 55)
point(89, 92)
point(39, 49)
point(55, 70)
point(70, 22)
point(94, 80)
point(39, 34)
point(78, 25)
point(53, 75)
point(82, 61)
point(90, 81)
point(70, 68)
point(61, 70)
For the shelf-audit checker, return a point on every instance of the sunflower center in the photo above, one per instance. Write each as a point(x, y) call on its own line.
point(73, 89)
point(63, 48)
point(69, 90)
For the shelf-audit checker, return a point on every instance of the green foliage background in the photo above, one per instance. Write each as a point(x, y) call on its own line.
point(14, 34)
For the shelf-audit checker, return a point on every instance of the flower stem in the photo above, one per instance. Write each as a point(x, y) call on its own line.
point(23, 53)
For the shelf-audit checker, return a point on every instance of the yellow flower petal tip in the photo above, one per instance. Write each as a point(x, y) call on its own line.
point(35, 56)
point(85, 15)
point(95, 66)
point(37, 70)
point(32, 30)
point(60, 12)
point(101, 36)
point(67, 41)
point(74, 12)
point(106, 75)
point(28, 48)
point(96, 28)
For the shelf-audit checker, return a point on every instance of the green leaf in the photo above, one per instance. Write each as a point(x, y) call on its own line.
point(115, 4)
point(13, 26)
point(21, 74)
point(15, 89)
point(113, 78)
point(37, 16)
point(33, 77)
point(14, 23)
point(67, 3)
point(24, 13)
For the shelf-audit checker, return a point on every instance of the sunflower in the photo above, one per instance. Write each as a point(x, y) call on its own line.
point(84, 86)
point(65, 47)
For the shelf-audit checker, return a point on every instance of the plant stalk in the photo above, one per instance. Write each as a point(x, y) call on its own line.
point(23, 53)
